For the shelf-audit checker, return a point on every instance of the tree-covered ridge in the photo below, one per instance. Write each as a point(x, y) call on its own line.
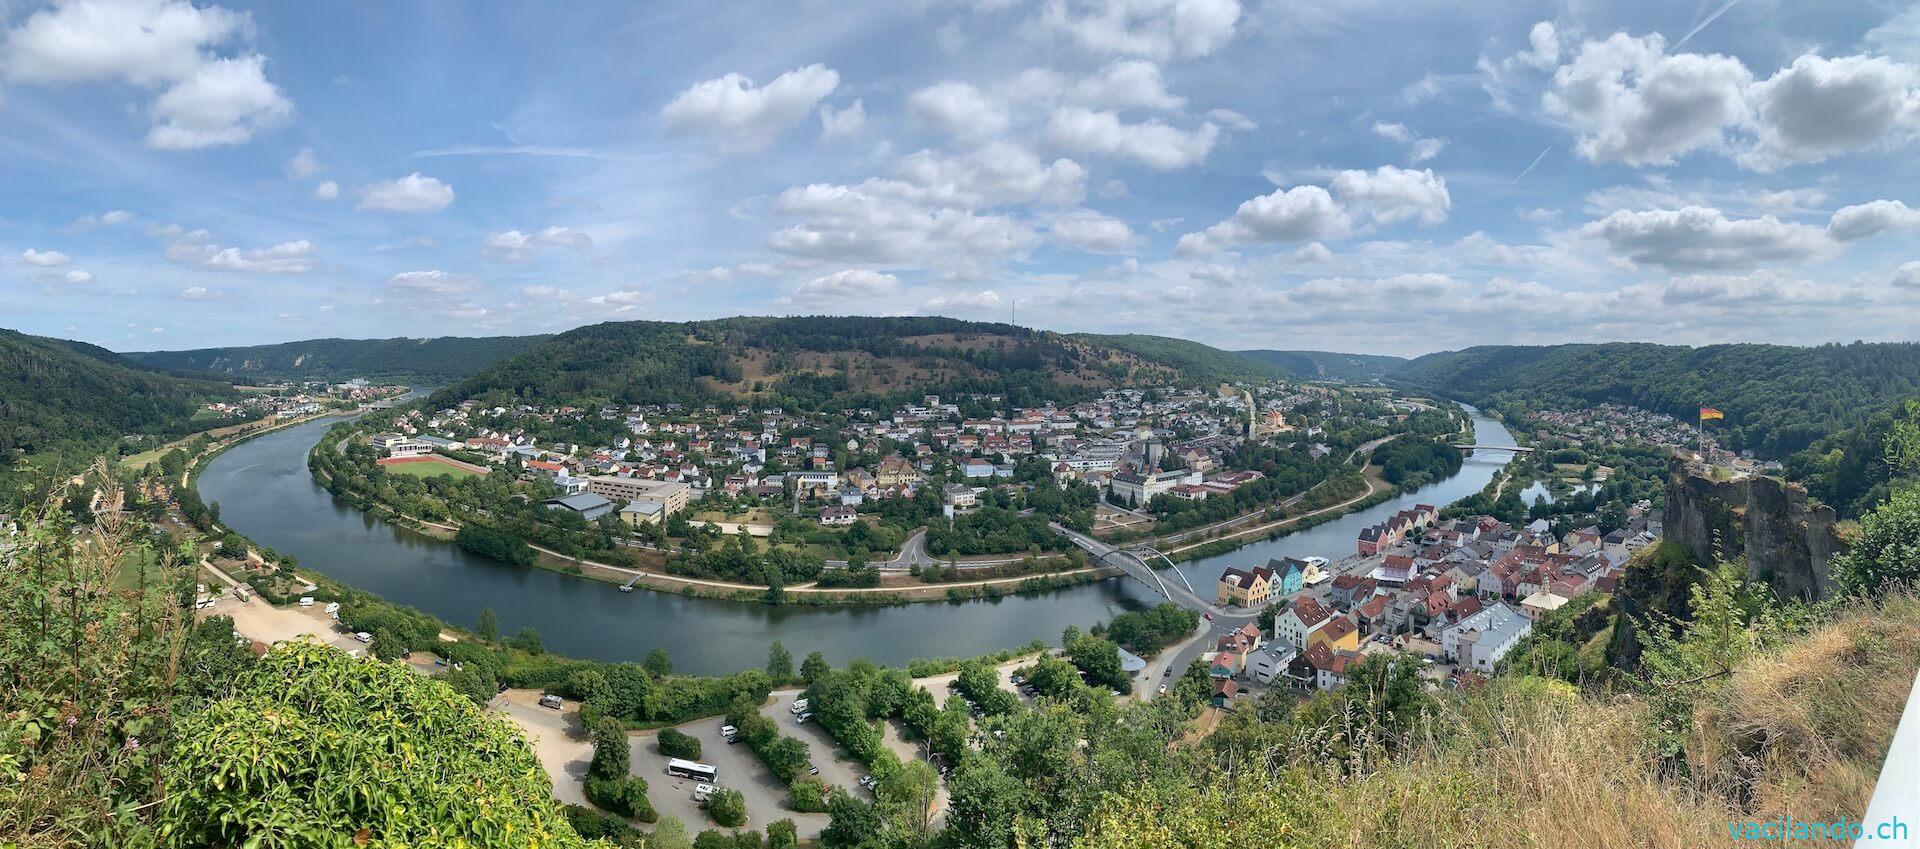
point(820, 361)
point(439, 359)
point(55, 392)
point(1198, 362)
point(1823, 410)
point(1328, 365)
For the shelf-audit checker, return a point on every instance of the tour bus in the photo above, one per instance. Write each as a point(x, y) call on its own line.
point(689, 769)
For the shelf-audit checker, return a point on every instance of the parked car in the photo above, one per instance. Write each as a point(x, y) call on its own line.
point(728, 731)
point(363, 637)
point(306, 601)
point(551, 701)
point(813, 770)
point(803, 717)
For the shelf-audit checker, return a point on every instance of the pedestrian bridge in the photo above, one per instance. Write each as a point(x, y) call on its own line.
point(1517, 449)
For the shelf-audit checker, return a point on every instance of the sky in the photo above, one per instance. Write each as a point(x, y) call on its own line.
point(1351, 175)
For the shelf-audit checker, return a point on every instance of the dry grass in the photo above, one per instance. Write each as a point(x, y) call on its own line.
point(1798, 731)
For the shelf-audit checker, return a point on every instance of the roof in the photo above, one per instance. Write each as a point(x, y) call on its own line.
point(579, 502)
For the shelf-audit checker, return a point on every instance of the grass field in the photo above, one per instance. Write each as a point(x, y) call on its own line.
point(427, 467)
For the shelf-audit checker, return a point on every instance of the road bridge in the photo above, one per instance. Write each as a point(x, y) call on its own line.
point(1517, 449)
point(1134, 564)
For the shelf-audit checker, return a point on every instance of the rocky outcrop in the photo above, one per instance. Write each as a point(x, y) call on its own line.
point(1786, 541)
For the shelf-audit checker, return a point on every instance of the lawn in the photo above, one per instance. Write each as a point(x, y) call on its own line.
point(427, 469)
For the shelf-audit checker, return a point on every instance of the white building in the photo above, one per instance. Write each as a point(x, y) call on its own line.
point(1481, 640)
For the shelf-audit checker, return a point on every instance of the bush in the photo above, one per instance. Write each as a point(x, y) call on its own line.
point(782, 834)
point(727, 807)
point(675, 744)
point(808, 795)
point(594, 824)
point(626, 797)
point(712, 839)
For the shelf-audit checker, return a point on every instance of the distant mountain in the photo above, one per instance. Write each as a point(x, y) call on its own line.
point(439, 360)
point(818, 361)
point(55, 392)
point(1325, 365)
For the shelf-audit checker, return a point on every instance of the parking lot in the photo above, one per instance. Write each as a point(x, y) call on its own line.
point(556, 740)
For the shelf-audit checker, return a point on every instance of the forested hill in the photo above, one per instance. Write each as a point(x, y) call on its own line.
point(1326, 365)
point(441, 359)
point(1817, 408)
point(1197, 362)
point(56, 393)
point(817, 361)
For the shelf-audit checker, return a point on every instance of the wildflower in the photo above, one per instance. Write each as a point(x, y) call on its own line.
point(133, 744)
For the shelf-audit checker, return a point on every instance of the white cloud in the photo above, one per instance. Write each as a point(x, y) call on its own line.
point(959, 110)
point(412, 193)
point(1156, 29)
point(198, 293)
point(327, 190)
point(431, 283)
point(859, 224)
point(1630, 102)
point(205, 99)
point(1868, 219)
point(985, 299)
point(1898, 37)
point(198, 248)
point(840, 123)
point(994, 174)
point(1419, 148)
point(743, 116)
point(77, 277)
point(303, 165)
point(1389, 194)
point(45, 259)
point(112, 217)
point(1151, 143)
point(1817, 108)
point(515, 246)
point(1092, 232)
point(1907, 276)
point(1700, 238)
point(849, 285)
point(1126, 84)
point(1299, 214)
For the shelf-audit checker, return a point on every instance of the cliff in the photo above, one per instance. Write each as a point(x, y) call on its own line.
point(1786, 541)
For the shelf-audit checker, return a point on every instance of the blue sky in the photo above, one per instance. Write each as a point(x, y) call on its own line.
point(1353, 175)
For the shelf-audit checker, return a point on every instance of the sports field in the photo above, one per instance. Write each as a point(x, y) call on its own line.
point(426, 467)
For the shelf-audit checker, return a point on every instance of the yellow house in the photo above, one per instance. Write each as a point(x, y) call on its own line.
point(1246, 587)
point(1339, 633)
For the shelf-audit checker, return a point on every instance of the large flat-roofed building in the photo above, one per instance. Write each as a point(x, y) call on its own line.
point(586, 504)
point(670, 495)
point(397, 445)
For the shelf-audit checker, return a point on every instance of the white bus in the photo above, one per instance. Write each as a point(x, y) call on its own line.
point(689, 769)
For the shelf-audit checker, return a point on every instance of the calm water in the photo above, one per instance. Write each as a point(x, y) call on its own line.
point(266, 493)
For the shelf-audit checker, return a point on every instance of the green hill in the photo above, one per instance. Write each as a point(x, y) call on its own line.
point(1326, 365)
point(441, 359)
point(818, 361)
point(56, 393)
point(1823, 410)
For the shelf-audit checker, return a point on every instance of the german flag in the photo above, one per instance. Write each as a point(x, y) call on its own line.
point(1708, 414)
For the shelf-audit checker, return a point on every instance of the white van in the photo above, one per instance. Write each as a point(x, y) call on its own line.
point(363, 637)
point(333, 609)
point(306, 601)
point(799, 706)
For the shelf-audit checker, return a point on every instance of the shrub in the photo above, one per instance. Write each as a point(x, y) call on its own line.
point(808, 795)
point(727, 807)
point(675, 744)
point(782, 834)
point(625, 796)
point(712, 839)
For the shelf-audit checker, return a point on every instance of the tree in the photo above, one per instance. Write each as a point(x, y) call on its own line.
point(258, 764)
point(488, 628)
point(782, 834)
point(527, 640)
point(675, 744)
point(611, 758)
point(1887, 550)
point(728, 807)
point(779, 662)
point(813, 668)
point(658, 663)
point(852, 824)
point(669, 833)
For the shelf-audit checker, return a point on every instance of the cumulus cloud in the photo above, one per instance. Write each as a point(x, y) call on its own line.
point(304, 165)
point(412, 193)
point(1092, 232)
point(1868, 219)
point(515, 246)
point(77, 277)
point(1702, 238)
point(198, 248)
point(1126, 84)
point(1299, 214)
point(204, 99)
point(857, 224)
point(986, 299)
point(1898, 37)
point(327, 190)
point(1389, 194)
point(959, 110)
point(743, 116)
point(1907, 276)
point(840, 123)
point(993, 174)
point(1151, 143)
point(110, 218)
point(856, 284)
point(1817, 108)
point(1156, 29)
point(44, 259)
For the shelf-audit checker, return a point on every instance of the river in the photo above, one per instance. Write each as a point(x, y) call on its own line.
point(266, 493)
